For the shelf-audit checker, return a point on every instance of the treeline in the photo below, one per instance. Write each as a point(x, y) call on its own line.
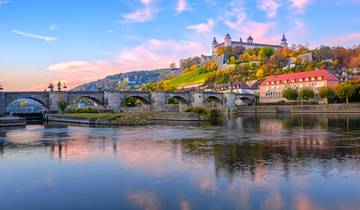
point(345, 92)
point(259, 63)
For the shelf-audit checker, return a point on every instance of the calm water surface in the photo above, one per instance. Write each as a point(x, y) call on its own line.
point(264, 162)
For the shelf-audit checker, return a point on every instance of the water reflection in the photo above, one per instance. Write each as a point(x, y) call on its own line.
point(250, 162)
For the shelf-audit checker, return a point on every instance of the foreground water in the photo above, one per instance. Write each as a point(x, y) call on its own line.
point(263, 162)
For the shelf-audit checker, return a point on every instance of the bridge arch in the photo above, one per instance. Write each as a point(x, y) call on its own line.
point(94, 99)
point(244, 100)
point(179, 98)
point(143, 100)
point(12, 100)
point(39, 97)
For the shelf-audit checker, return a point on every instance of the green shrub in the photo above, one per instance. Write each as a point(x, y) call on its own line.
point(62, 105)
point(198, 110)
point(290, 93)
point(83, 110)
point(215, 115)
point(306, 93)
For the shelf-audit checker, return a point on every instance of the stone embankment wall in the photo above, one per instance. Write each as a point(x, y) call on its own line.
point(329, 108)
point(12, 121)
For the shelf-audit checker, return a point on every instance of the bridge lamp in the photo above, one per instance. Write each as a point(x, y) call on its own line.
point(1, 87)
point(65, 87)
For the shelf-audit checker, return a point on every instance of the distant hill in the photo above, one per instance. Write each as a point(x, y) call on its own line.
point(133, 80)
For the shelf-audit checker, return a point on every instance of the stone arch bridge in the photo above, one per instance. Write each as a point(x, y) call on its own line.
point(111, 100)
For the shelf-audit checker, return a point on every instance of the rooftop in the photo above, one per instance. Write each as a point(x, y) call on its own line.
point(300, 76)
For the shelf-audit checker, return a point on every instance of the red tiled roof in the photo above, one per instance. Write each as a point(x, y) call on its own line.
point(324, 74)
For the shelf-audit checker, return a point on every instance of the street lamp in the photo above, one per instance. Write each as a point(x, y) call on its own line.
point(1, 87)
point(65, 87)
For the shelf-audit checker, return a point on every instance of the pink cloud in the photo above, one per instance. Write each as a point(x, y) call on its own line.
point(237, 19)
point(181, 6)
point(341, 40)
point(153, 54)
point(299, 5)
point(203, 27)
point(141, 15)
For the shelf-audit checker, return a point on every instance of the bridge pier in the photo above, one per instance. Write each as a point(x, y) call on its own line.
point(198, 100)
point(229, 100)
point(2, 103)
point(112, 101)
point(54, 99)
point(157, 102)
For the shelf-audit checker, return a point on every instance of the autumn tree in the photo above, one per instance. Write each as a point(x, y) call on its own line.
point(346, 91)
point(327, 93)
point(266, 52)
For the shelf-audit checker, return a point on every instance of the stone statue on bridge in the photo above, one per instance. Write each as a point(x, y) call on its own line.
point(59, 86)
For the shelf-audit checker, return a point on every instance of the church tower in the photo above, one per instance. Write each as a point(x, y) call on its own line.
point(227, 40)
point(214, 43)
point(284, 42)
point(250, 40)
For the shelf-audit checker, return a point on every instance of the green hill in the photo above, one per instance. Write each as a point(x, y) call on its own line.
point(197, 76)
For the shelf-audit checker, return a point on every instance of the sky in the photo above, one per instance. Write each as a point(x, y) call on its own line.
point(78, 41)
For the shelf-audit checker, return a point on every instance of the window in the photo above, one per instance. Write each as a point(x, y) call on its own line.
point(319, 78)
point(313, 79)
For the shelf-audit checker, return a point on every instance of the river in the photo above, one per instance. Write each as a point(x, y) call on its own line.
point(298, 162)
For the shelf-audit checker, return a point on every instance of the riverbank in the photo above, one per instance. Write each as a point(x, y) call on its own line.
point(123, 118)
point(328, 108)
point(12, 121)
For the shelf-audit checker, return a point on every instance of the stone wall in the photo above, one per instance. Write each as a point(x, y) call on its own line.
point(2, 103)
point(329, 108)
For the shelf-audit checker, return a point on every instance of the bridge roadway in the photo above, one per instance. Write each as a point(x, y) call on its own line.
point(111, 100)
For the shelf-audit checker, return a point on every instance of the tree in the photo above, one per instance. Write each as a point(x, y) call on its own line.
point(323, 53)
point(346, 91)
point(290, 93)
point(327, 93)
point(266, 52)
point(355, 61)
point(279, 60)
point(306, 93)
point(173, 66)
point(232, 59)
point(24, 103)
point(62, 105)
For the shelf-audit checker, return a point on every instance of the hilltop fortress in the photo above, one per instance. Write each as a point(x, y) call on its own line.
point(249, 44)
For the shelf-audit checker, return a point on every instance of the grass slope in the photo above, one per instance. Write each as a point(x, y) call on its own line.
point(188, 78)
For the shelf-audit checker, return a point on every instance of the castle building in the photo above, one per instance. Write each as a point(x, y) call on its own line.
point(249, 44)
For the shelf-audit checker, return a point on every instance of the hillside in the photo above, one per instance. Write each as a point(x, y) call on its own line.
point(129, 80)
point(259, 63)
point(196, 76)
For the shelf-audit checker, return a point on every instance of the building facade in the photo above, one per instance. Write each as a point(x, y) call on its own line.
point(248, 44)
point(271, 90)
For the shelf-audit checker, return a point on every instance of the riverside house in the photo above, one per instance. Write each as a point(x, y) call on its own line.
point(271, 89)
